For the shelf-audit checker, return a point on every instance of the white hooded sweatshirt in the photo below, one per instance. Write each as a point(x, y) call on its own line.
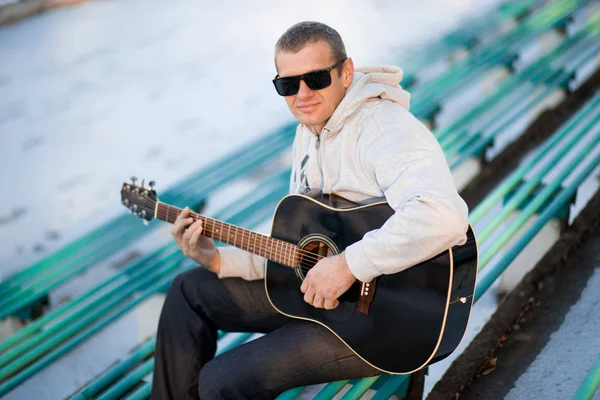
point(372, 146)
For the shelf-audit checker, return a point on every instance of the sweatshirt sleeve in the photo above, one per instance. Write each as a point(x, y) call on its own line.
point(430, 216)
point(240, 264)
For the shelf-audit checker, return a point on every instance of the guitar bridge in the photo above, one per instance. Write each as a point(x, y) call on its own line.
point(367, 291)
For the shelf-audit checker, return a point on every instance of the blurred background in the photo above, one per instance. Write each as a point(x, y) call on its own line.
point(98, 91)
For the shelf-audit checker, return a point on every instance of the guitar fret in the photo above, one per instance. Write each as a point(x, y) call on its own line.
point(250, 244)
point(257, 248)
point(280, 252)
point(284, 247)
point(269, 249)
point(295, 257)
point(256, 244)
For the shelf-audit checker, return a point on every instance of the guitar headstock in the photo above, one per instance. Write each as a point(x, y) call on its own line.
point(139, 199)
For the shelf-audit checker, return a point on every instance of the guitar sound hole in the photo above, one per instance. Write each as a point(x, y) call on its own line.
point(312, 252)
point(315, 248)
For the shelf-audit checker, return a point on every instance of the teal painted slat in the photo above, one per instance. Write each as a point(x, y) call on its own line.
point(331, 389)
point(590, 384)
point(142, 392)
point(360, 388)
point(395, 384)
point(128, 382)
point(290, 394)
point(112, 374)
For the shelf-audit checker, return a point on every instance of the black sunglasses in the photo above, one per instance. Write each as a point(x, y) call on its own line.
point(315, 80)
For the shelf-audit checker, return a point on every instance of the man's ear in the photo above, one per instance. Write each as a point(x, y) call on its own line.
point(348, 73)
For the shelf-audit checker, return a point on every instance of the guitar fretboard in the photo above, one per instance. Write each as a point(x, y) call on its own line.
point(274, 249)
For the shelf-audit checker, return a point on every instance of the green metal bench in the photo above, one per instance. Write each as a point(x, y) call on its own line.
point(471, 34)
point(35, 346)
point(501, 52)
point(532, 88)
point(22, 290)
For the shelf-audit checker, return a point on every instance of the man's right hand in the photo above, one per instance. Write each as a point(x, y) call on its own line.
point(199, 248)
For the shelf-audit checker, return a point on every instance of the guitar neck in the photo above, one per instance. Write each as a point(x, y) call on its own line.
point(274, 249)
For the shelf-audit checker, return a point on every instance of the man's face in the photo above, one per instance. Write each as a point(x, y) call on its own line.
point(314, 107)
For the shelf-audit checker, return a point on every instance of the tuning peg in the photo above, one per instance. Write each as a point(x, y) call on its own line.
point(146, 222)
point(151, 184)
point(133, 179)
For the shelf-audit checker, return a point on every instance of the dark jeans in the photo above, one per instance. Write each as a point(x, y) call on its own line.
point(292, 353)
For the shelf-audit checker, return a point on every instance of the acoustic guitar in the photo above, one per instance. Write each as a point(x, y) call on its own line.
point(397, 323)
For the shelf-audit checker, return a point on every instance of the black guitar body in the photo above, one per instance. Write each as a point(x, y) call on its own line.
point(417, 316)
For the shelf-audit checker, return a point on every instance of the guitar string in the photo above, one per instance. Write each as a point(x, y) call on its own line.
point(306, 254)
point(209, 230)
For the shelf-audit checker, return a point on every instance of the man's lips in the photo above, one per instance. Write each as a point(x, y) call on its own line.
point(307, 107)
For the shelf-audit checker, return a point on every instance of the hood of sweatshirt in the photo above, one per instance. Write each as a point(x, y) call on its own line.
point(369, 83)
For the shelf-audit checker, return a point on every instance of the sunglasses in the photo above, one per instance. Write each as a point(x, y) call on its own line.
point(315, 80)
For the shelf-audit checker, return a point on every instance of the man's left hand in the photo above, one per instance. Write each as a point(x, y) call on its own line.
point(326, 281)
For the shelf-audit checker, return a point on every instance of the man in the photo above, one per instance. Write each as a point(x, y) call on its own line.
point(356, 139)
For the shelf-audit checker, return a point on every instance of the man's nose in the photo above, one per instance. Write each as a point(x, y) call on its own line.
point(304, 90)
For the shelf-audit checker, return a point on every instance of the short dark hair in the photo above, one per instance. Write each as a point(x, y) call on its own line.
point(304, 33)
